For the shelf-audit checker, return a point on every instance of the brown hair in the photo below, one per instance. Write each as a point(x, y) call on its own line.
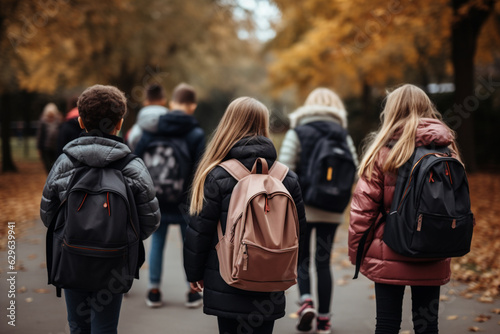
point(184, 94)
point(155, 93)
point(102, 107)
point(244, 117)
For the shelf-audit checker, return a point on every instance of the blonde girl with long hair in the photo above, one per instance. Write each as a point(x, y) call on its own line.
point(409, 119)
point(322, 115)
point(243, 134)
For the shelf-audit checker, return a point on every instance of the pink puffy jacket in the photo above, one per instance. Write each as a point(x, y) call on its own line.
point(381, 264)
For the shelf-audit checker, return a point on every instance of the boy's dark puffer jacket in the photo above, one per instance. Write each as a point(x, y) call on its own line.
point(200, 257)
point(98, 152)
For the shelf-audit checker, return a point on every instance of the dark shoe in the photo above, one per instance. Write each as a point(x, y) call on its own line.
point(153, 298)
point(323, 325)
point(194, 300)
point(306, 314)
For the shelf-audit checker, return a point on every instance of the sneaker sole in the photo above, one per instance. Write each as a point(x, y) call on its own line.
point(194, 304)
point(323, 332)
point(305, 322)
point(153, 304)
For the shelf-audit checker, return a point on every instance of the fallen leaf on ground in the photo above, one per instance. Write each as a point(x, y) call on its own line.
point(29, 300)
point(486, 299)
point(42, 290)
point(372, 297)
point(482, 318)
point(496, 311)
point(293, 315)
point(444, 298)
point(345, 263)
point(341, 282)
point(22, 289)
point(474, 329)
point(32, 256)
point(43, 265)
point(468, 295)
point(452, 317)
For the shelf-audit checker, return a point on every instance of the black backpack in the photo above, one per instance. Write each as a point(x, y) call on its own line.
point(93, 241)
point(430, 215)
point(169, 162)
point(327, 172)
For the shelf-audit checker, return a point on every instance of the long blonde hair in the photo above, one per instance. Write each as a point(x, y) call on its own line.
point(244, 117)
point(404, 108)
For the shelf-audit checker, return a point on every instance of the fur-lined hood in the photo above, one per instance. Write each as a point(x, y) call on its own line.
point(311, 113)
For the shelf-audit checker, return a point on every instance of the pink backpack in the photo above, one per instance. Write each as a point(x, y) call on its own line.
point(260, 248)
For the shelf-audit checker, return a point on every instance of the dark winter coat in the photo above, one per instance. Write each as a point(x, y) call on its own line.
point(180, 125)
point(200, 257)
point(97, 151)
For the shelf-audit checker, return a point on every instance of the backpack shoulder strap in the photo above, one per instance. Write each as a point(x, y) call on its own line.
point(278, 170)
point(235, 168)
point(121, 163)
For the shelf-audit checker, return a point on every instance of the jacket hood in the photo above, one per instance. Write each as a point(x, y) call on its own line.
point(311, 113)
point(431, 131)
point(176, 123)
point(73, 113)
point(147, 118)
point(96, 151)
point(253, 147)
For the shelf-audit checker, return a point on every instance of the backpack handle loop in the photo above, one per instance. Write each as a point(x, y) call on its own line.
point(263, 162)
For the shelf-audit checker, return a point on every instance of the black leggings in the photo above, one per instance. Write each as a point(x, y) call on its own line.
point(425, 308)
point(325, 234)
point(237, 326)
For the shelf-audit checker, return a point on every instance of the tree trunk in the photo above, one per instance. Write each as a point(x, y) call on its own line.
point(7, 161)
point(464, 35)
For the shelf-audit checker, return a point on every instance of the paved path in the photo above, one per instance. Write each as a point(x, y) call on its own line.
point(353, 306)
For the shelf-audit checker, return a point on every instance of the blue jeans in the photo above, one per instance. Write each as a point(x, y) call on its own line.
point(93, 312)
point(158, 245)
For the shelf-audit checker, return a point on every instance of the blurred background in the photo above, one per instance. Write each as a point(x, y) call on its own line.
point(274, 50)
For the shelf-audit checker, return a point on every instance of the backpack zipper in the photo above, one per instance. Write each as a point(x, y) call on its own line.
point(448, 172)
point(413, 169)
point(419, 225)
point(83, 201)
point(127, 205)
point(65, 243)
point(245, 256)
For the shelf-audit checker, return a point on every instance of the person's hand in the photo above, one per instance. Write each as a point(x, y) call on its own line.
point(196, 286)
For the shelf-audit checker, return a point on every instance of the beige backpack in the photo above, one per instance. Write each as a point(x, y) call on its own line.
point(260, 247)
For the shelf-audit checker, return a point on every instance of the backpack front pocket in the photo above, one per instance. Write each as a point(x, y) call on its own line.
point(92, 268)
point(252, 259)
point(442, 236)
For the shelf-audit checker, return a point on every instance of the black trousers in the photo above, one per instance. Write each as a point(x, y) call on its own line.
point(425, 308)
point(325, 235)
point(237, 326)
